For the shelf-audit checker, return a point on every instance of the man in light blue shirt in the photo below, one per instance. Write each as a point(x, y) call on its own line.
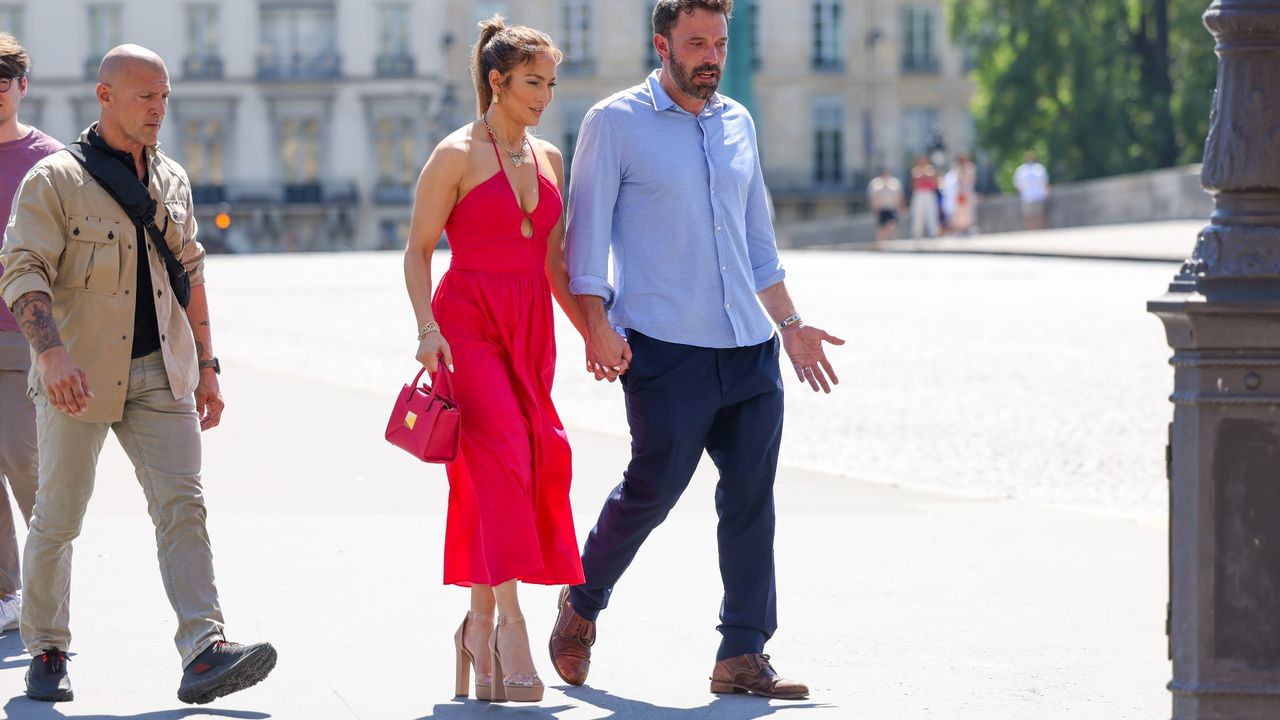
point(666, 182)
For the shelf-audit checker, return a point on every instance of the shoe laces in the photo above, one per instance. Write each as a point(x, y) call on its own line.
point(53, 660)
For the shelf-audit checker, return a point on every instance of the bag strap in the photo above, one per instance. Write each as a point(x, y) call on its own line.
point(128, 191)
point(442, 379)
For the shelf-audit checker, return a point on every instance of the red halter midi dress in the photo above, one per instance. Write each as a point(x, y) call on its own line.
point(509, 515)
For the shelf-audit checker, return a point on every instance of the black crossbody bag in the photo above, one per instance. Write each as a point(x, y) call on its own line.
point(136, 200)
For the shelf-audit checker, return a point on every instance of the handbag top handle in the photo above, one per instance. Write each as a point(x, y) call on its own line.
point(448, 385)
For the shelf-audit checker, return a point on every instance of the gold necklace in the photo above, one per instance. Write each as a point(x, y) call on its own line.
point(517, 157)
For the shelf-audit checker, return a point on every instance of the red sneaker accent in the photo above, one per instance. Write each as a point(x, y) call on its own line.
point(199, 668)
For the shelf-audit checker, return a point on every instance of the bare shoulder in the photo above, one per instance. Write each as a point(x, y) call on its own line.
point(550, 151)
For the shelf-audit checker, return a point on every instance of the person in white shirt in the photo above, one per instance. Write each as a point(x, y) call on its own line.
point(884, 195)
point(1032, 182)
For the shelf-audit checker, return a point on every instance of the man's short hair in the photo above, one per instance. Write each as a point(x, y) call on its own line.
point(666, 12)
point(14, 62)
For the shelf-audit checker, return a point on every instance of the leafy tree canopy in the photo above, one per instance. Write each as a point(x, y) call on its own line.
point(1095, 87)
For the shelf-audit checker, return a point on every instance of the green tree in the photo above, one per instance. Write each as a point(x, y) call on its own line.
point(1096, 87)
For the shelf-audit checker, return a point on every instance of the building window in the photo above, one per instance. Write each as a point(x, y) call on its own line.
point(298, 43)
point(104, 34)
point(919, 128)
point(572, 110)
point(397, 154)
point(828, 36)
point(203, 143)
point(651, 57)
point(576, 37)
point(300, 158)
point(485, 9)
point(203, 60)
point(394, 56)
point(393, 234)
point(11, 19)
point(753, 26)
point(918, 52)
point(828, 141)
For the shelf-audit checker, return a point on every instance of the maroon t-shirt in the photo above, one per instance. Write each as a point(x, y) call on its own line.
point(17, 157)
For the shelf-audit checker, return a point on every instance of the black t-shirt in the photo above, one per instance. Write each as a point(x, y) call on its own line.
point(146, 329)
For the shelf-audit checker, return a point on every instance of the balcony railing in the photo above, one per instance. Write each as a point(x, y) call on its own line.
point(392, 194)
point(202, 67)
point(399, 65)
point(828, 65)
point(300, 66)
point(208, 194)
point(920, 65)
point(326, 192)
point(578, 67)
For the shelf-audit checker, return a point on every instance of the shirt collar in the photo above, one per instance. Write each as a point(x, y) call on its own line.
point(92, 137)
point(662, 101)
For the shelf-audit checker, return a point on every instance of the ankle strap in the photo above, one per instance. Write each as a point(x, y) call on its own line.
point(477, 617)
point(510, 619)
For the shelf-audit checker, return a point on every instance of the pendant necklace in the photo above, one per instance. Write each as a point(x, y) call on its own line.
point(517, 157)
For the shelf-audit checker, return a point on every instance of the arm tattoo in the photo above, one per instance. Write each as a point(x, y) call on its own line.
point(204, 323)
point(200, 351)
point(34, 311)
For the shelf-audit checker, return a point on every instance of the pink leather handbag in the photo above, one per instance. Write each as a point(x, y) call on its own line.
point(426, 422)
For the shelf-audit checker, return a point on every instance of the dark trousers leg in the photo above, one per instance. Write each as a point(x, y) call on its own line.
point(672, 393)
point(743, 443)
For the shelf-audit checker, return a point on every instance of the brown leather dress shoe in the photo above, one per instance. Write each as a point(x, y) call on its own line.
point(752, 673)
point(571, 641)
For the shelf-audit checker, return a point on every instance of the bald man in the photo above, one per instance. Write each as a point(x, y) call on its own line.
point(114, 349)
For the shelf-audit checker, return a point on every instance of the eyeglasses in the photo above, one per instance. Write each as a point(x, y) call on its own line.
point(6, 83)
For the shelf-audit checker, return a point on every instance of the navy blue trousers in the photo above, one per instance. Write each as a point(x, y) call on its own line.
point(681, 400)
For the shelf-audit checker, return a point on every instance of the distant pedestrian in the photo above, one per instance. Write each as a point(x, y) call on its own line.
point(958, 196)
point(884, 196)
point(1032, 181)
point(667, 191)
point(116, 350)
point(924, 199)
point(21, 146)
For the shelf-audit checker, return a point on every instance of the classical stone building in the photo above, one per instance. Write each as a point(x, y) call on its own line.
point(841, 86)
point(307, 121)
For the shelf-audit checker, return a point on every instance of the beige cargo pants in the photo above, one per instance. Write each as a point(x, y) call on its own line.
point(162, 438)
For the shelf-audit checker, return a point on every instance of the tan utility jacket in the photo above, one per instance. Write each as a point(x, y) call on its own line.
point(67, 237)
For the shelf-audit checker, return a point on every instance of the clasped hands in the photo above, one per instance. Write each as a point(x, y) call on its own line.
point(608, 354)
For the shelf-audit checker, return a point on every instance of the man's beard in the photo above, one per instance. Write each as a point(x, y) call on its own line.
point(684, 79)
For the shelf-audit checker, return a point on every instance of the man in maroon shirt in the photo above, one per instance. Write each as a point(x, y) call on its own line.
point(20, 147)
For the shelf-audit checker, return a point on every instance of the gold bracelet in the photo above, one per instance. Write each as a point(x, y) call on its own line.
point(431, 327)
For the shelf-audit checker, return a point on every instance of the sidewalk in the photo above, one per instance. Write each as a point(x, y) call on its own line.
point(893, 604)
point(1152, 242)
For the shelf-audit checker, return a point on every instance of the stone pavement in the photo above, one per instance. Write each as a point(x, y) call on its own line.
point(894, 602)
point(1170, 241)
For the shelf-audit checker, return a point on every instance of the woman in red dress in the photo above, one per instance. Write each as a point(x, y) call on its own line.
point(495, 191)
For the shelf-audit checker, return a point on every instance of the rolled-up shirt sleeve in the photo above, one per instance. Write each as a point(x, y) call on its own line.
point(34, 239)
point(762, 245)
point(593, 193)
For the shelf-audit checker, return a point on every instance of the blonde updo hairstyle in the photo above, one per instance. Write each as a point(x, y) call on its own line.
point(504, 48)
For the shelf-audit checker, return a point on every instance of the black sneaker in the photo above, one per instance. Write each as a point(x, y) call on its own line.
point(47, 677)
point(224, 668)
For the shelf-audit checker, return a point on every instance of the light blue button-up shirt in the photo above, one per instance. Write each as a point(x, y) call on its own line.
point(680, 201)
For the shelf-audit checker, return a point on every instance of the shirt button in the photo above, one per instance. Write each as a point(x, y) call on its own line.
point(728, 306)
point(162, 338)
point(717, 228)
point(724, 267)
point(159, 293)
point(118, 382)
